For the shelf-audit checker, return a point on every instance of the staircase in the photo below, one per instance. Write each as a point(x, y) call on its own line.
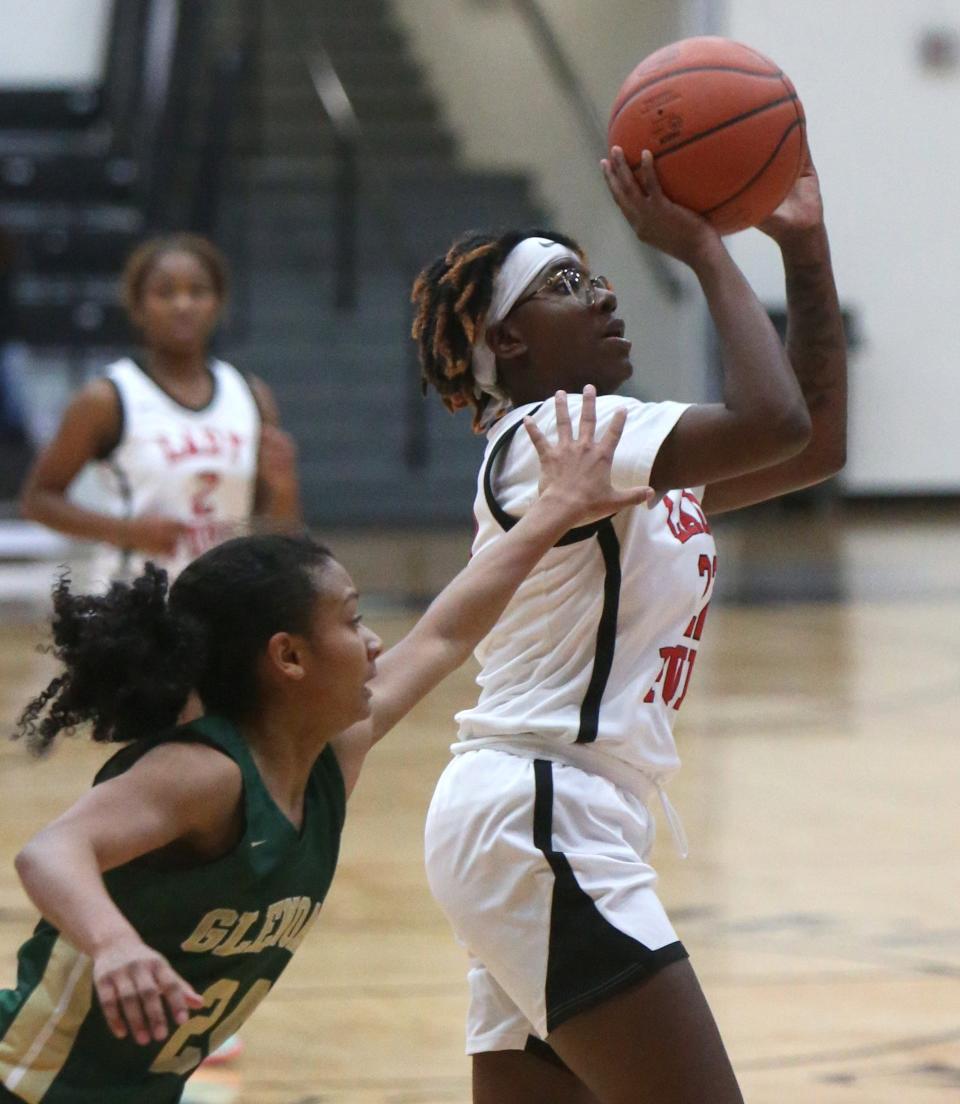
point(371, 450)
point(75, 197)
point(67, 199)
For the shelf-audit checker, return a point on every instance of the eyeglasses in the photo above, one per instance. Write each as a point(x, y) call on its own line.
point(570, 281)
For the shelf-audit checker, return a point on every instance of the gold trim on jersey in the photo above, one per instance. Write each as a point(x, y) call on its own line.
point(38, 1042)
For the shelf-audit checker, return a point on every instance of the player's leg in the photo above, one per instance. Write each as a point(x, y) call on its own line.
point(511, 1065)
point(534, 1075)
point(653, 1043)
point(555, 896)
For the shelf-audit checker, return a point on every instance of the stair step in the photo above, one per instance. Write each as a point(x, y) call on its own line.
point(299, 96)
point(230, 13)
point(67, 176)
point(301, 359)
point(319, 170)
point(77, 323)
point(55, 142)
point(313, 136)
point(75, 239)
point(335, 35)
point(29, 215)
point(354, 64)
point(49, 108)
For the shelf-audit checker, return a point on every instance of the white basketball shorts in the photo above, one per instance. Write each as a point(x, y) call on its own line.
point(542, 870)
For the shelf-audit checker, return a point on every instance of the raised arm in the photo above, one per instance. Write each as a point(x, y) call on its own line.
point(816, 347)
point(763, 419)
point(575, 488)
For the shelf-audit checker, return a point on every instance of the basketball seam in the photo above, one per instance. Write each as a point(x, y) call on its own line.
point(778, 75)
point(798, 122)
point(722, 126)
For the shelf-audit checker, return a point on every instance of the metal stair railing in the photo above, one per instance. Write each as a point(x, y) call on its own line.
point(349, 143)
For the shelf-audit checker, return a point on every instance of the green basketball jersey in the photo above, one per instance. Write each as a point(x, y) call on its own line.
point(229, 927)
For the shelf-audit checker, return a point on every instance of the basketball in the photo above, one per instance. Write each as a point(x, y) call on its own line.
point(724, 124)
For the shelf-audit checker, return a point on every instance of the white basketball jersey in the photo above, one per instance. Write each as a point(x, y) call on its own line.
point(593, 657)
point(195, 466)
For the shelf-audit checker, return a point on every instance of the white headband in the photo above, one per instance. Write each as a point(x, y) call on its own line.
point(523, 264)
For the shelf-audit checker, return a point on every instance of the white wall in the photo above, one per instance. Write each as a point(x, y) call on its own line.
point(52, 42)
point(885, 134)
point(507, 112)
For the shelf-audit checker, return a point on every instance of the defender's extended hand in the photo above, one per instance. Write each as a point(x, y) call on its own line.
point(576, 471)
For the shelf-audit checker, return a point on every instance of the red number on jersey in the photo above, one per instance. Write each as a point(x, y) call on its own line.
point(205, 485)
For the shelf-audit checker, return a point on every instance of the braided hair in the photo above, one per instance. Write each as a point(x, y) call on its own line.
point(132, 656)
point(452, 297)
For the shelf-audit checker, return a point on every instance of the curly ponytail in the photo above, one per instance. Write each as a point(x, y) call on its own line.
point(132, 656)
point(130, 663)
point(452, 297)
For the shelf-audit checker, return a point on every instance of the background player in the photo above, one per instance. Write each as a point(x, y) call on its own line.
point(188, 451)
point(539, 832)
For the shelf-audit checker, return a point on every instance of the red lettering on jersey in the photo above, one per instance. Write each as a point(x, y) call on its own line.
point(690, 518)
point(708, 572)
point(676, 667)
point(678, 660)
point(695, 629)
point(236, 445)
point(208, 441)
point(671, 671)
point(686, 681)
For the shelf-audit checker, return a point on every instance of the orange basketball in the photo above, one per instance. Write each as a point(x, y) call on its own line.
point(724, 124)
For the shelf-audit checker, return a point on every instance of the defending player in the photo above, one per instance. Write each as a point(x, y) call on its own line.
point(176, 890)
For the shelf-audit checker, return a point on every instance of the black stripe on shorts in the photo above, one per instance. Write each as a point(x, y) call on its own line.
point(588, 958)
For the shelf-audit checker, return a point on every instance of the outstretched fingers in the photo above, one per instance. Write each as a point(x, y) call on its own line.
point(540, 443)
point(610, 439)
point(578, 471)
point(564, 428)
point(588, 415)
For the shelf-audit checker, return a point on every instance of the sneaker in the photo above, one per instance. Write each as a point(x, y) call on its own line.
point(227, 1051)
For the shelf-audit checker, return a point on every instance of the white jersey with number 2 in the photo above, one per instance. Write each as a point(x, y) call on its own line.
point(593, 657)
point(194, 466)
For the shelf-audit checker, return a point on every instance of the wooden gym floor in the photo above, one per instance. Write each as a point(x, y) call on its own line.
point(820, 902)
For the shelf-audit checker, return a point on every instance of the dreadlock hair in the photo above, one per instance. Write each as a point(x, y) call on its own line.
point(132, 656)
point(452, 297)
